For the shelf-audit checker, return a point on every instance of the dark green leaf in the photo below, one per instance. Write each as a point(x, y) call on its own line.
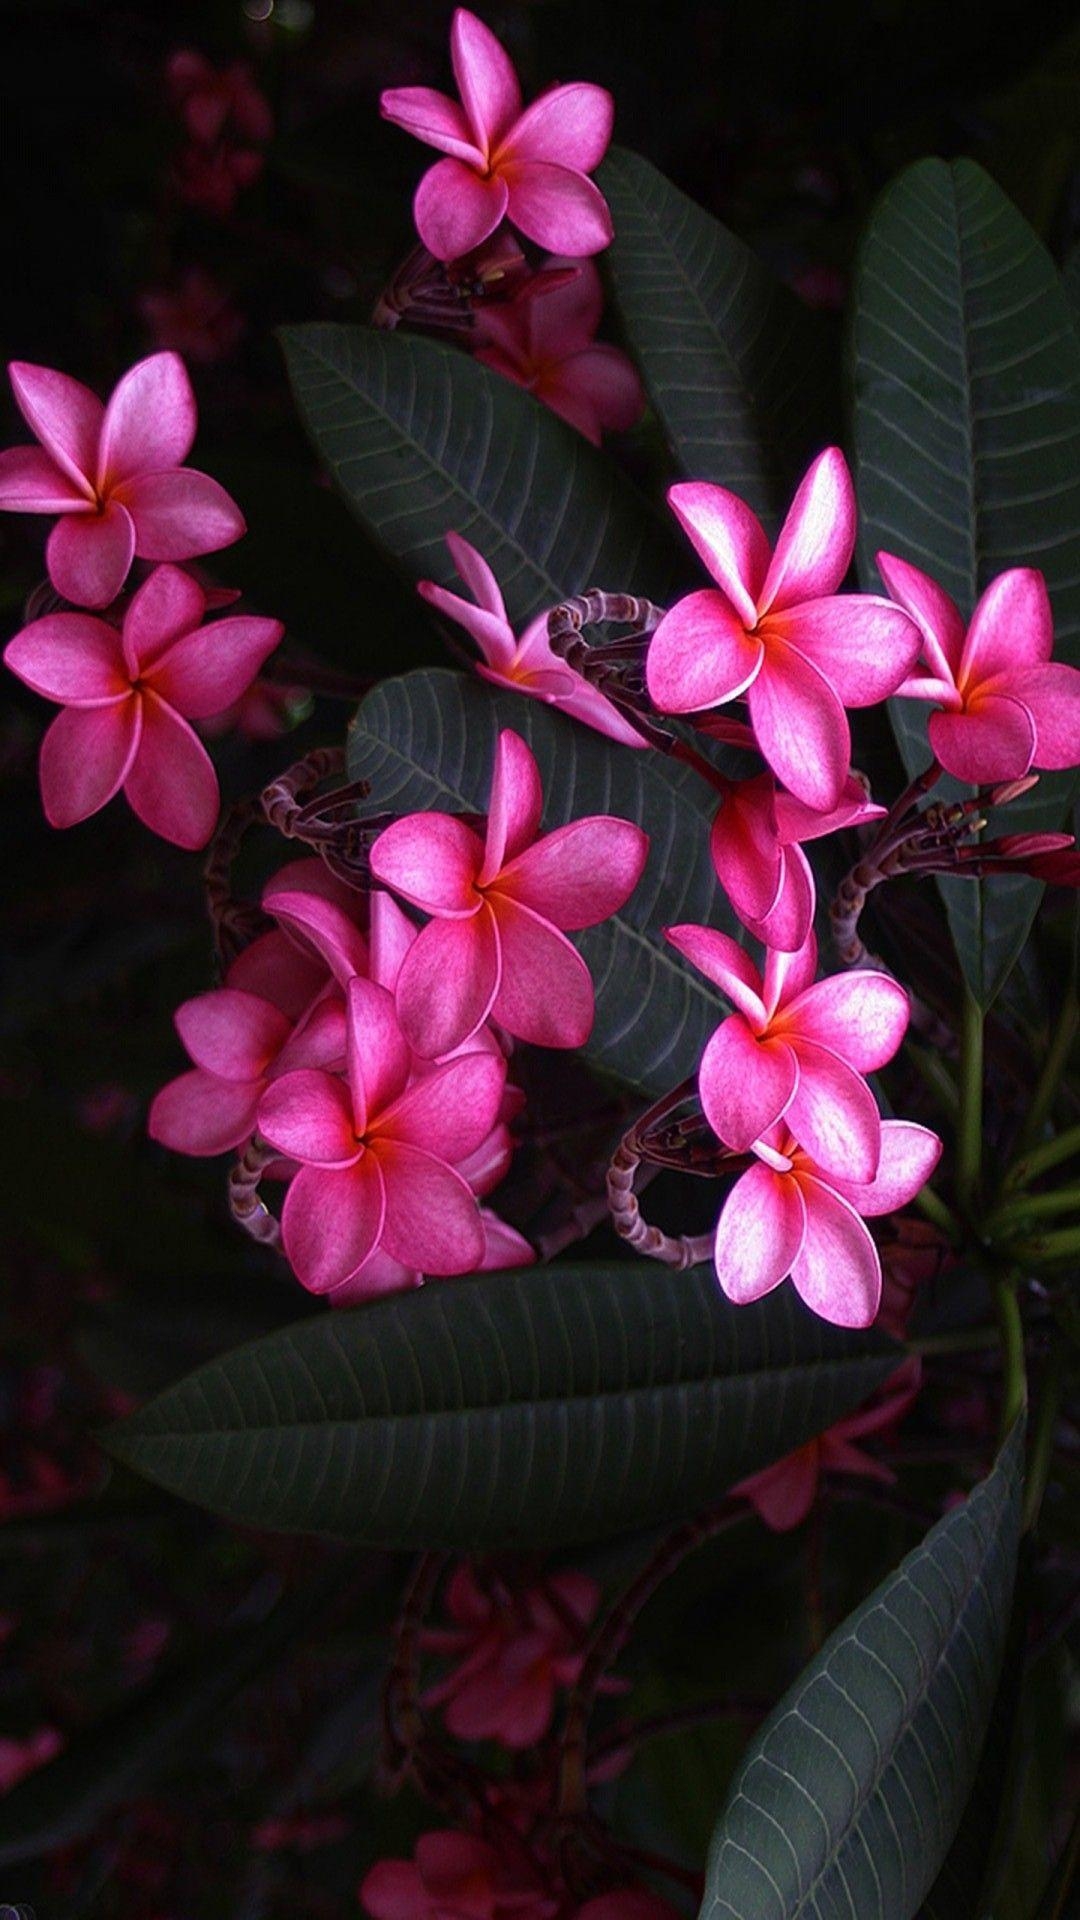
point(849, 1798)
point(428, 741)
point(424, 441)
point(518, 1409)
point(966, 372)
point(737, 368)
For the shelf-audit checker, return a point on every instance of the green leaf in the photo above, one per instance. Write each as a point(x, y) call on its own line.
point(966, 375)
point(849, 1797)
point(428, 741)
point(519, 1409)
point(737, 368)
point(424, 441)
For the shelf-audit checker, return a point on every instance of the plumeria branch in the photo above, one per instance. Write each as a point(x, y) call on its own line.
point(617, 670)
point(686, 1145)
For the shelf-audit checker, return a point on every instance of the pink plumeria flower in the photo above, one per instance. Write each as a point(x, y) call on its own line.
point(497, 944)
point(458, 1875)
point(217, 101)
point(782, 1495)
point(796, 1048)
point(115, 476)
point(1002, 704)
point(756, 845)
point(527, 665)
point(377, 1153)
point(513, 1653)
point(545, 340)
point(787, 1216)
point(127, 698)
point(775, 629)
point(531, 168)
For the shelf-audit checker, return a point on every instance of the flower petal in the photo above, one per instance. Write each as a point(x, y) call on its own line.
point(71, 658)
point(834, 1115)
point(431, 859)
point(992, 739)
point(149, 422)
point(580, 874)
point(1012, 627)
point(492, 632)
point(909, 1154)
point(485, 78)
point(545, 991)
point(171, 784)
point(862, 645)
point(455, 208)
point(85, 757)
point(323, 926)
point(331, 1221)
point(788, 972)
point(308, 1116)
point(393, 1890)
point(390, 935)
point(434, 118)
point(516, 803)
point(31, 482)
point(451, 1111)
point(432, 1218)
point(700, 655)
point(801, 727)
point(791, 916)
point(557, 207)
point(1051, 695)
point(232, 1034)
point(836, 1271)
point(179, 515)
point(169, 603)
point(65, 416)
point(728, 538)
point(935, 613)
point(759, 1234)
point(378, 1052)
point(447, 983)
point(205, 671)
point(88, 555)
point(817, 539)
point(726, 964)
point(570, 125)
point(273, 968)
point(745, 847)
point(783, 1494)
point(860, 1016)
point(746, 1085)
point(202, 1115)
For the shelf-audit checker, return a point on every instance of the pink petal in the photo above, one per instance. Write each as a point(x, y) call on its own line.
point(31, 482)
point(431, 859)
point(307, 1115)
point(791, 916)
point(597, 390)
point(909, 1154)
point(65, 416)
point(273, 968)
point(477, 576)
point(862, 645)
point(323, 926)
point(432, 1219)
point(71, 658)
point(504, 1247)
point(492, 632)
point(393, 1890)
point(580, 874)
point(1051, 695)
point(515, 807)
point(377, 1275)
point(589, 705)
point(232, 1034)
point(861, 1016)
point(557, 207)
point(485, 78)
point(205, 671)
point(801, 727)
point(759, 1234)
point(390, 935)
point(728, 538)
point(559, 390)
point(834, 1115)
point(934, 611)
point(788, 973)
point(817, 539)
point(1012, 627)
point(455, 208)
point(331, 1221)
point(451, 1111)
point(700, 655)
point(726, 964)
point(569, 125)
point(745, 847)
point(745, 1085)
point(378, 1053)
point(149, 422)
point(837, 1271)
point(993, 739)
point(564, 316)
point(783, 1494)
point(85, 758)
point(179, 515)
point(169, 603)
point(448, 982)
point(88, 555)
point(171, 784)
point(320, 1040)
point(545, 991)
point(434, 118)
point(201, 1115)
point(797, 823)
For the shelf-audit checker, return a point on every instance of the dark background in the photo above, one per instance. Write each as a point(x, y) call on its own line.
point(785, 118)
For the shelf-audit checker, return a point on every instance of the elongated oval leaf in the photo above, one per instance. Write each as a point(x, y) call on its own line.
point(523, 1408)
point(424, 441)
point(850, 1795)
point(737, 368)
point(966, 374)
point(428, 741)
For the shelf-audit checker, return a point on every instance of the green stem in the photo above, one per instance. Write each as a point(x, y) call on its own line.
point(940, 1215)
point(972, 1340)
point(1061, 1245)
point(969, 1139)
point(1053, 1067)
point(1014, 1375)
point(1033, 1206)
point(1042, 1439)
point(1041, 1159)
point(936, 1077)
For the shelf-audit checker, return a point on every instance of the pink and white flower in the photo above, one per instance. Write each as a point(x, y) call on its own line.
point(545, 340)
point(513, 1652)
point(756, 845)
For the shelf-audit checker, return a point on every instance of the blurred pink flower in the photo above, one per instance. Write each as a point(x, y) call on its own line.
point(544, 340)
point(127, 698)
point(756, 845)
point(264, 711)
point(212, 178)
point(114, 475)
point(531, 168)
point(21, 1757)
point(1002, 705)
point(195, 317)
point(775, 629)
point(213, 101)
point(783, 1494)
point(526, 665)
point(458, 1876)
point(514, 1650)
point(497, 946)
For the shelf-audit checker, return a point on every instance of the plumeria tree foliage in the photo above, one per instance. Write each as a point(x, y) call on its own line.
point(676, 832)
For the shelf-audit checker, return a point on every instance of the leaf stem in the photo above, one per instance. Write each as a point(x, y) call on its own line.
point(1011, 1335)
point(1041, 1159)
point(969, 1139)
point(1057, 1059)
point(939, 1214)
point(1042, 1439)
point(1034, 1206)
